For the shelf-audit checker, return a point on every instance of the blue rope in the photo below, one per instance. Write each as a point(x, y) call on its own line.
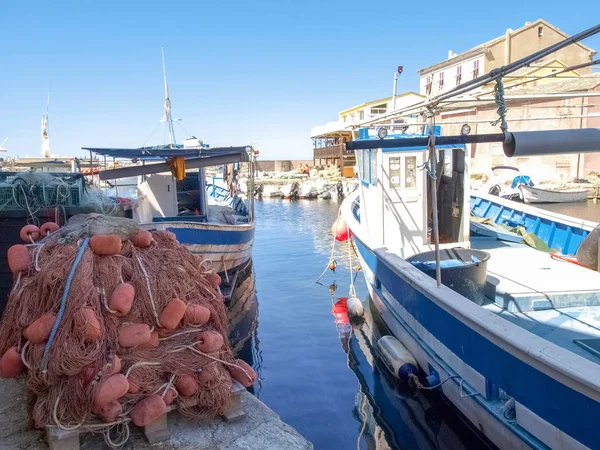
point(63, 303)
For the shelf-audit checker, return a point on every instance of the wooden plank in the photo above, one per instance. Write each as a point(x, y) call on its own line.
point(235, 412)
point(62, 440)
point(157, 431)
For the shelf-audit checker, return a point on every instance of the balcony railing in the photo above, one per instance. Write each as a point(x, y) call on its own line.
point(334, 151)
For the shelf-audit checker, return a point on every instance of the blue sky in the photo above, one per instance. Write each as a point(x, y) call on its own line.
point(259, 72)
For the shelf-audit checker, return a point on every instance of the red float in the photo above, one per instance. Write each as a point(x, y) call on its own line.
point(340, 230)
point(340, 311)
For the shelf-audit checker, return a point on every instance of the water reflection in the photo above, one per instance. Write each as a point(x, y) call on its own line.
point(389, 416)
point(242, 313)
point(589, 210)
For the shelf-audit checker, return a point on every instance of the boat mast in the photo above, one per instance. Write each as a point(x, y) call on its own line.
point(167, 117)
point(45, 136)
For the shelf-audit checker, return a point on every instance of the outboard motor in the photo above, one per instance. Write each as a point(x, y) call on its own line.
point(295, 191)
point(495, 190)
point(340, 190)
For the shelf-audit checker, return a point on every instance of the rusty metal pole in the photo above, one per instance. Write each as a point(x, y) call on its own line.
point(433, 179)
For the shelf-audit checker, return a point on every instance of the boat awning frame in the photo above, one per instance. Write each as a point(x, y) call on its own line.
point(153, 153)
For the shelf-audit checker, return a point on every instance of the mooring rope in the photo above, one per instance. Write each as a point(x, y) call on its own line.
point(328, 263)
point(351, 290)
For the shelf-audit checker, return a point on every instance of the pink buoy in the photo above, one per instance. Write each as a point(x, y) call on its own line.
point(29, 233)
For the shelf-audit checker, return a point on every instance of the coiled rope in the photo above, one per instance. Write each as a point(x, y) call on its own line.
point(501, 103)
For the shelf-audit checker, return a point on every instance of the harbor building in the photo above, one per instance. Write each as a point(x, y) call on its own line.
point(329, 141)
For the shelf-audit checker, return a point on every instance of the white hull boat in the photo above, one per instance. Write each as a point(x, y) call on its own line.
point(509, 334)
point(533, 194)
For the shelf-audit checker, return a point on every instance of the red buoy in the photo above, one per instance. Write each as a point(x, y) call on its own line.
point(340, 311)
point(340, 230)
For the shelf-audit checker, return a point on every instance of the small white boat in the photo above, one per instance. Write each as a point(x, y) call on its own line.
point(308, 191)
point(533, 194)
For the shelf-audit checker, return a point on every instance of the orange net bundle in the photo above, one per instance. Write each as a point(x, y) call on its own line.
point(111, 325)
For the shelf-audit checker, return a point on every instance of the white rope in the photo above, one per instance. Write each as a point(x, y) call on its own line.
point(191, 330)
point(23, 350)
point(149, 290)
point(37, 256)
point(195, 350)
point(329, 262)
point(352, 290)
point(102, 293)
point(57, 422)
point(139, 364)
point(124, 435)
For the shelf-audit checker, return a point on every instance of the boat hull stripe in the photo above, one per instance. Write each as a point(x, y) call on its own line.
point(568, 410)
point(214, 237)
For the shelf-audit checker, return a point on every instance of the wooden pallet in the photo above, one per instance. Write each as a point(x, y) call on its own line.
point(157, 431)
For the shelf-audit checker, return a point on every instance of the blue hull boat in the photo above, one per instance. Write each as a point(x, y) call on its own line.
point(513, 340)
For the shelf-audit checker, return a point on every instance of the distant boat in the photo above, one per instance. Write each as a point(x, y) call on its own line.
point(537, 195)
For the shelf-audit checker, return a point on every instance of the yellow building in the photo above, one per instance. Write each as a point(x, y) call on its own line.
point(329, 141)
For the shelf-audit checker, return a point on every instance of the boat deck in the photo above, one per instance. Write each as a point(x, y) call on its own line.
point(556, 300)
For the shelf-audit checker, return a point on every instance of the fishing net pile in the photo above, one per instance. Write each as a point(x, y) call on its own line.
point(110, 324)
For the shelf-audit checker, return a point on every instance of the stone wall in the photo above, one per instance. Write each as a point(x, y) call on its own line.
point(279, 165)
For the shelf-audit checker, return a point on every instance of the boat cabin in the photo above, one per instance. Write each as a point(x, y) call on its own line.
point(395, 194)
point(171, 183)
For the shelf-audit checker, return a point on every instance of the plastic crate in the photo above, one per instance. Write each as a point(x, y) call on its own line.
point(71, 178)
point(38, 196)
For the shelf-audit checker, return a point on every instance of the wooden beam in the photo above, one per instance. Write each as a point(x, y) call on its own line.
point(193, 163)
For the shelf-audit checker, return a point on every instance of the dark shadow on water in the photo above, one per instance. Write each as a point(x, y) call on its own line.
point(389, 414)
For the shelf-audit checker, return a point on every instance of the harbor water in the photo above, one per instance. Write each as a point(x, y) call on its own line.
point(320, 376)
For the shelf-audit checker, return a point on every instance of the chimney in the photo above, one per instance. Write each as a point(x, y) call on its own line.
point(507, 46)
point(450, 54)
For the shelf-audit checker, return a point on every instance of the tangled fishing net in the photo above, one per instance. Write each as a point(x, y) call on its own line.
point(112, 325)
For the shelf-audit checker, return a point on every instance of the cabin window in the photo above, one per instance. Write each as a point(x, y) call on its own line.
point(394, 172)
point(373, 158)
point(365, 167)
point(410, 172)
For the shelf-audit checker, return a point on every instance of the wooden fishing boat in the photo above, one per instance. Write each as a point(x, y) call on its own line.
point(509, 333)
point(532, 194)
point(211, 221)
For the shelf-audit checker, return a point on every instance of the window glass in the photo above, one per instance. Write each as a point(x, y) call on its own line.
point(410, 172)
point(373, 166)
